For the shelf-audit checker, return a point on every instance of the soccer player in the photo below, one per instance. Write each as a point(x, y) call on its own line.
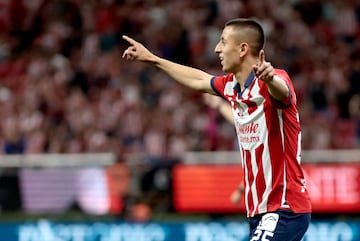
point(263, 103)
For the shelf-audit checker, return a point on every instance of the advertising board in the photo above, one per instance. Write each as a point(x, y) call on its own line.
point(44, 230)
point(333, 188)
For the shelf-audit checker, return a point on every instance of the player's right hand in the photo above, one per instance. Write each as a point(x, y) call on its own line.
point(136, 51)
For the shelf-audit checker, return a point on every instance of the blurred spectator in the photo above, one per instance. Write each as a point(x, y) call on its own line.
point(14, 142)
point(63, 70)
point(139, 213)
point(64, 87)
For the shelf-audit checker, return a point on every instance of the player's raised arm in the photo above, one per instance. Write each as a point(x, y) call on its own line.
point(193, 78)
point(265, 71)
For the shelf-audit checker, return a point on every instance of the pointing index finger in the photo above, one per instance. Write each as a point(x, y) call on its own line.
point(262, 56)
point(129, 40)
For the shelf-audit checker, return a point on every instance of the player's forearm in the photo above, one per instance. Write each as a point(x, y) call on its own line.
point(190, 77)
point(278, 88)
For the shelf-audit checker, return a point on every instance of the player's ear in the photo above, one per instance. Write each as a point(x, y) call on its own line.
point(243, 49)
point(262, 56)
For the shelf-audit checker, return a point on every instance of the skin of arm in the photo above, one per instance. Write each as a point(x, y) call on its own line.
point(190, 77)
point(226, 111)
point(221, 105)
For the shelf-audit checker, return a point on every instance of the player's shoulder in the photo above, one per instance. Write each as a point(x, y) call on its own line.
point(281, 72)
point(226, 77)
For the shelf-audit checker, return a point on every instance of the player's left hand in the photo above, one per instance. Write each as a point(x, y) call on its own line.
point(263, 69)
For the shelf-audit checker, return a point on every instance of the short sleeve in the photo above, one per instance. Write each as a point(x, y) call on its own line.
point(218, 84)
point(288, 101)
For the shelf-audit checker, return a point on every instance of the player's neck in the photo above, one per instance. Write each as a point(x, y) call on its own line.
point(243, 75)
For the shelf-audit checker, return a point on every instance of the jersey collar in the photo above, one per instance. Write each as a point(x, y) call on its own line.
point(248, 82)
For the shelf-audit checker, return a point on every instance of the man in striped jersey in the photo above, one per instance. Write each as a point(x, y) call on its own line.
point(263, 103)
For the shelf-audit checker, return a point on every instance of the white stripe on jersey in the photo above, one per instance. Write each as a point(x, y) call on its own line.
point(268, 178)
point(281, 125)
point(298, 153)
point(283, 199)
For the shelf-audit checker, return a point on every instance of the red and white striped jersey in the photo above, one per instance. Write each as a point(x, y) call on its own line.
point(269, 138)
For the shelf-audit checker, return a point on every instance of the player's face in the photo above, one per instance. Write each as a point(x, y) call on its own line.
point(229, 51)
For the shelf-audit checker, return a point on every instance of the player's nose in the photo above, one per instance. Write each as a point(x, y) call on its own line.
point(217, 48)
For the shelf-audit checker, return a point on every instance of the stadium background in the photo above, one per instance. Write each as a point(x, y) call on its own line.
point(93, 148)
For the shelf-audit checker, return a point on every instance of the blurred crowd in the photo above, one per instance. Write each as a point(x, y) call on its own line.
point(64, 87)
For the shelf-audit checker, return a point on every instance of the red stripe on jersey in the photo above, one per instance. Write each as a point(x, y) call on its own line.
point(250, 178)
point(252, 106)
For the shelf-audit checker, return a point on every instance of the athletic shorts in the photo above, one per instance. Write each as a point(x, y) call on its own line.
point(282, 225)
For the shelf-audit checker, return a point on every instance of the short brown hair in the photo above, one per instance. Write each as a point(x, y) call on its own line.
point(255, 32)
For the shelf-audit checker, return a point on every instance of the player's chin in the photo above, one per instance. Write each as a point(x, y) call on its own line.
point(226, 70)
